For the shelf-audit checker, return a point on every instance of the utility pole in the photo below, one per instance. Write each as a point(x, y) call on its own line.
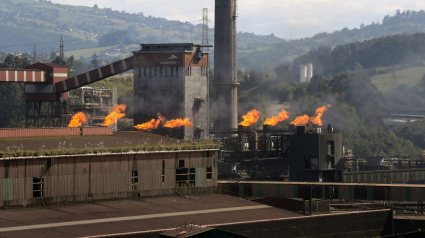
point(205, 28)
point(34, 55)
point(61, 46)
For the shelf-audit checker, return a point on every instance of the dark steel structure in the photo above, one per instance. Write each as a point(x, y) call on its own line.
point(304, 153)
point(315, 155)
point(253, 153)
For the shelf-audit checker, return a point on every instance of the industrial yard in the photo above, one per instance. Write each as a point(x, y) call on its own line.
point(191, 165)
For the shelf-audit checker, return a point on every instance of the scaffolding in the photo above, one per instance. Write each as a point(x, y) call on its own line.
point(95, 102)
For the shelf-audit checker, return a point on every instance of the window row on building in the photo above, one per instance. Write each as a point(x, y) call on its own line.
point(158, 72)
point(185, 177)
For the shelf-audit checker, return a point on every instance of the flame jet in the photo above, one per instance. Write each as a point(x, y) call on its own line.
point(117, 112)
point(250, 118)
point(319, 112)
point(152, 124)
point(283, 115)
point(301, 120)
point(178, 123)
point(78, 120)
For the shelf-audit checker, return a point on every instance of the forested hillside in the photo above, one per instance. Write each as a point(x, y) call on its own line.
point(41, 23)
point(266, 59)
point(385, 51)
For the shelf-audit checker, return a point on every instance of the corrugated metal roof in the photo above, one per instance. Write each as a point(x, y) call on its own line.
point(157, 213)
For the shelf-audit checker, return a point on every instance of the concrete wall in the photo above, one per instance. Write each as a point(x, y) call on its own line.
point(86, 178)
point(196, 86)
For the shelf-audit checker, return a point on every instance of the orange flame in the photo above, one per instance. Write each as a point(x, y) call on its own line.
point(283, 115)
point(78, 120)
point(152, 124)
point(301, 120)
point(117, 112)
point(178, 123)
point(319, 112)
point(250, 118)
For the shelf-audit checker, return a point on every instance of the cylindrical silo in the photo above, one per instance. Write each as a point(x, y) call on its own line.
point(309, 72)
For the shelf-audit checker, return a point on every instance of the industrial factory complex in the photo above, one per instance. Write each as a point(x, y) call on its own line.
point(189, 168)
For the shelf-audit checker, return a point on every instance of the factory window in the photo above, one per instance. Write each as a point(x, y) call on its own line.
point(144, 71)
point(37, 187)
point(155, 72)
point(150, 71)
point(330, 148)
point(163, 171)
point(192, 174)
point(172, 71)
point(49, 162)
point(166, 71)
point(140, 72)
point(177, 71)
point(181, 163)
point(160, 72)
point(189, 71)
point(134, 181)
point(311, 163)
point(209, 173)
point(185, 178)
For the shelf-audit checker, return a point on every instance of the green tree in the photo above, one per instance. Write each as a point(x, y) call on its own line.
point(12, 99)
point(53, 56)
point(283, 72)
point(14, 62)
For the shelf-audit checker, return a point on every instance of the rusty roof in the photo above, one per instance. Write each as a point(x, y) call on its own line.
point(126, 216)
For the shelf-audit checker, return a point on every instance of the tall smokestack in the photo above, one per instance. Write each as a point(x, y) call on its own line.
point(225, 64)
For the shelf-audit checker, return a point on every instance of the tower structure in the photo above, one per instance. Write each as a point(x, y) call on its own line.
point(225, 65)
point(61, 46)
point(172, 79)
point(205, 29)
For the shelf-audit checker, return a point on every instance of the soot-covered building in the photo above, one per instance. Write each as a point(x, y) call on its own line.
point(172, 79)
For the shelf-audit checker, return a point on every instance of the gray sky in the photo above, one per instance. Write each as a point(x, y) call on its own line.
point(285, 18)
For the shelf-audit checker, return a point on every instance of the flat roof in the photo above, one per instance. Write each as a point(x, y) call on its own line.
point(127, 139)
point(113, 217)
